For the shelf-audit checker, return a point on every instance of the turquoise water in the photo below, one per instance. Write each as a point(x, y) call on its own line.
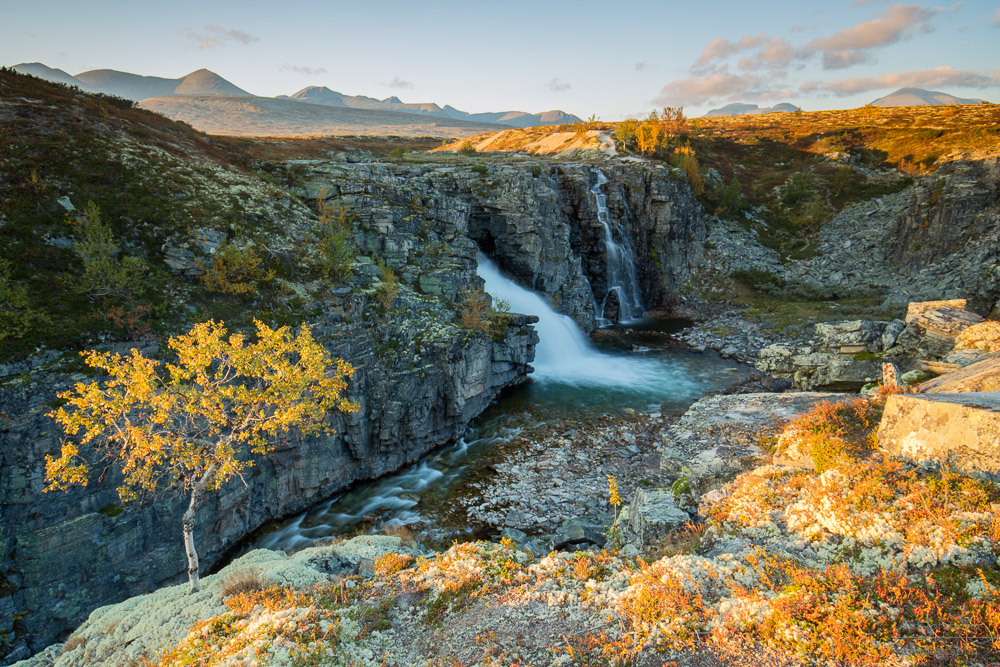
point(575, 380)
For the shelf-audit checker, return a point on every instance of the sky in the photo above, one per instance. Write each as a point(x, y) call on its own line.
point(611, 60)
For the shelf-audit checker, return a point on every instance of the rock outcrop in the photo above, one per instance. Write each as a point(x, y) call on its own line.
point(420, 379)
point(845, 356)
point(960, 431)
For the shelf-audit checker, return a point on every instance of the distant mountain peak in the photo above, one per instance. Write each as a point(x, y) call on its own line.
point(908, 97)
point(745, 109)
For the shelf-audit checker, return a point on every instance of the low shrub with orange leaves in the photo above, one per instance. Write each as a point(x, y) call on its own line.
point(984, 336)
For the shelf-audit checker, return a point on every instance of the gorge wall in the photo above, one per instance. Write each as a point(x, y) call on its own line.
point(420, 377)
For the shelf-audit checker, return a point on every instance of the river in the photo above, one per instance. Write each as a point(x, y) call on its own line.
point(637, 370)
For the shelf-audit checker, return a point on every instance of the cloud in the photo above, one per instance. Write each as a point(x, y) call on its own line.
point(773, 53)
point(302, 69)
point(557, 85)
point(720, 49)
point(217, 36)
point(853, 45)
point(399, 83)
point(642, 66)
point(996, 18)
point(721, 85)
point(923, 78)
point(232, 35)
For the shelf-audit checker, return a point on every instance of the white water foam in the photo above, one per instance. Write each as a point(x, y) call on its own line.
point(565, 356)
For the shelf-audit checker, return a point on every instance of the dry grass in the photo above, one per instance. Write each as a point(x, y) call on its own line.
point(241, 582)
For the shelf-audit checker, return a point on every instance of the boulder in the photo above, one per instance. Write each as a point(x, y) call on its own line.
point(918, 308)
point(652, 514)
point(960, 430)
point(980, 376)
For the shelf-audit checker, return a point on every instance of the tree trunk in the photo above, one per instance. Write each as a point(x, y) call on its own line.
point(187, 524)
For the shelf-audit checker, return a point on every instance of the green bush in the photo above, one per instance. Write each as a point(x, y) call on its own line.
point(334, 249)
point(105, 270)
point(757, 279)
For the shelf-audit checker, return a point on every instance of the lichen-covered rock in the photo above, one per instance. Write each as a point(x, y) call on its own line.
point(982, 375)
point(651, 515)
point(961, 431)
point(123, 634)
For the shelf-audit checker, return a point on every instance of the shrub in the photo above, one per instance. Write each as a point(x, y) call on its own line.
point(732, 198)
point(105, 272)
point(391, 563)
point(16, 318)
point(241, 582)
point(466, 148)
point(798, 190)
point(625, 134)
point(758, 279)
point(689, 163)
point(235, 271)
point(838, 434)
point(389, 287)
point(984, 336)
point(479, 312)
point(480, 169)
point(334, 250)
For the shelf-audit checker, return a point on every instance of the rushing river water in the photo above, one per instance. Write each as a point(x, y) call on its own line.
point(574, 380)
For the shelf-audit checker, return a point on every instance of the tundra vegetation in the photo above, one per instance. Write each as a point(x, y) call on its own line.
point(192, 424)
point(865, 560)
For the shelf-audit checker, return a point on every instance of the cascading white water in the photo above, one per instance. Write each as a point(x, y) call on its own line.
point(572, 378)
point(622, 280)
point(564, 355)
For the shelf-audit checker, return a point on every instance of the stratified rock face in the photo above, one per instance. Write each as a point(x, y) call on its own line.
point(539, 222)
point(982, 375)
point(960, 430)
point(420, 379)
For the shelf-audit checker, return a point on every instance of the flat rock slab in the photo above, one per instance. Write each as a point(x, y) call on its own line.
point(719, 435)
point(961, 430)
point(979, 376)
point(918, 308)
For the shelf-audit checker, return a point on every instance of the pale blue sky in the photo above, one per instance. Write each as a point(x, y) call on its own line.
point(610, 59)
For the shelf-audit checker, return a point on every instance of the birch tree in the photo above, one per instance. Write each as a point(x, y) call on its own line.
point(197, 422)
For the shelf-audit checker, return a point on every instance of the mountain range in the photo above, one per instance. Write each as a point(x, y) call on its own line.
point(904, 97)
point(743, 109)
point(205, 83)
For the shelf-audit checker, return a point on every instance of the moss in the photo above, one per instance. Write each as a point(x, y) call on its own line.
point(111, 510)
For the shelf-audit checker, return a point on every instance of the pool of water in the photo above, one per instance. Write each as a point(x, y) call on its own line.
point(653, 375)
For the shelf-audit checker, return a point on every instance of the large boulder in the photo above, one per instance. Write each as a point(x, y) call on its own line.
point(652, 514)
point(960, 430)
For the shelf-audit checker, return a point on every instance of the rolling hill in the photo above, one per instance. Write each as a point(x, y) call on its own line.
point(325, 96)
point(315, 110)
point(237, 115)
point(911, 97)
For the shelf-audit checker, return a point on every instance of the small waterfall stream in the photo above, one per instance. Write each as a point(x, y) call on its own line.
point(573, 379)
point(622, 300)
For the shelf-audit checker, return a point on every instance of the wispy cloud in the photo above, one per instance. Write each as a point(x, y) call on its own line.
point(721, 85)
point(215, 36)
point(758, 65)
point(557, 85)
point(642, 66)
point(923, 78)
point(996, 18)
point(302, 69)
point(855, 44)
point(399, 84)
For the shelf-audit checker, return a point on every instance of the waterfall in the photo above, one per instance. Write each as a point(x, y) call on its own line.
point(564, 355)
point(621, 301)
